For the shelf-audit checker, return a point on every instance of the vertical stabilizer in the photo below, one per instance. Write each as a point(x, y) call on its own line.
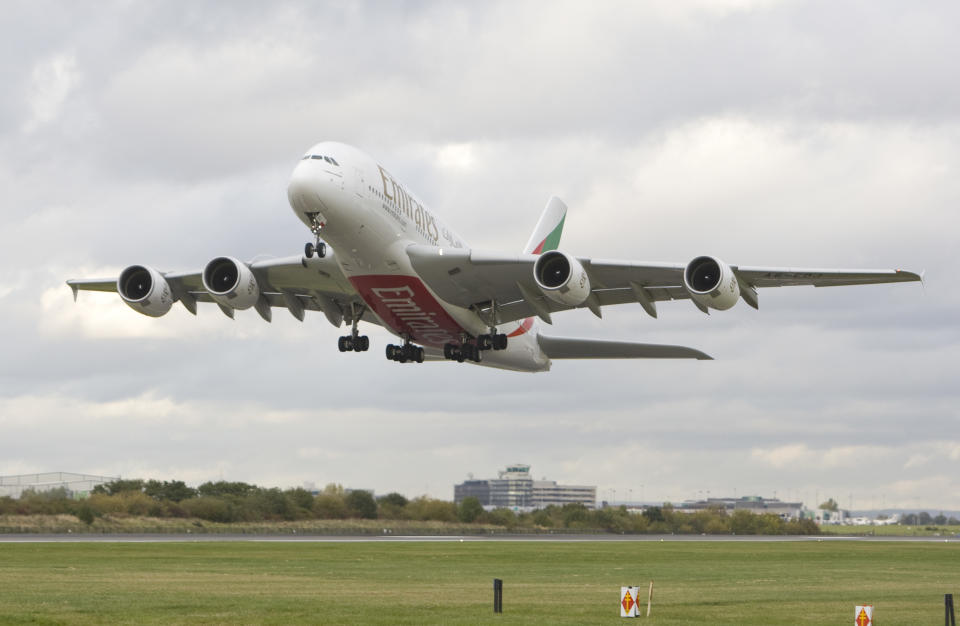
point(546, 236)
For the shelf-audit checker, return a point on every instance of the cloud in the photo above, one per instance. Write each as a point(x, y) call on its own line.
point(52, 82)
point(767, 133)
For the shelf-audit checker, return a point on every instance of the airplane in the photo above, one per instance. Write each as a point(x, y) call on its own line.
point(380, 255)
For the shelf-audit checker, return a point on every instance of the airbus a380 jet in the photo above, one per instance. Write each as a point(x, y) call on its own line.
point(386, 258)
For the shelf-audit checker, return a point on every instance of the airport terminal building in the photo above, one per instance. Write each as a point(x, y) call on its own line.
point(75, 485)
point(754, 504)
point(515, 489)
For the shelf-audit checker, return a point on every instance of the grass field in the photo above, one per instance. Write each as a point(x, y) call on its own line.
point(451, 582)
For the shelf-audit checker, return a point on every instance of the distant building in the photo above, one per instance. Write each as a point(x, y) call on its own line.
point(754, 504)
point(76, 485)
point(823, 517)
point(515, 489)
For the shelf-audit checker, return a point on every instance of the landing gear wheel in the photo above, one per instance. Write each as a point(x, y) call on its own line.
point(391, 352)
point(500, 342)
point(320, 249)
point(419, 355)
point(364, 342)
point(345, 344)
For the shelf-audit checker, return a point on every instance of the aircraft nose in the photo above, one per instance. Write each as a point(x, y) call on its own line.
point(302, 189)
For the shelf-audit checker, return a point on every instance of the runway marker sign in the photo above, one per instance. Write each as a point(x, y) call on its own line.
point(628, 601)
point(864, 615)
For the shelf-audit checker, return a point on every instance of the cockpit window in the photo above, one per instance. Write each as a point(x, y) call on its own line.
point(320, 157)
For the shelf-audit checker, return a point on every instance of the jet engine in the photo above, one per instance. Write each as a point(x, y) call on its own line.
point(145, 290)
point(711, 283)
point(231, 283)
point(561, 278)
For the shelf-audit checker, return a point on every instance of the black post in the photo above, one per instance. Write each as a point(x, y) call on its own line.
point(497, 595)
point(948, 617)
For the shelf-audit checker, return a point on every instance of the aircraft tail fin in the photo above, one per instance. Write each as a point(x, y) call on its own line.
point(570, 348)
point(546, 236)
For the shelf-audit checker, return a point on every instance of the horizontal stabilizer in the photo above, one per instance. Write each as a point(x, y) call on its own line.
point(571, 348)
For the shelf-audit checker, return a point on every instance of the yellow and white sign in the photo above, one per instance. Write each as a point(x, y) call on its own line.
point(864, 615)
point(628, 601)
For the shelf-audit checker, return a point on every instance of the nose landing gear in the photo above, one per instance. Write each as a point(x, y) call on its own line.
point(319, 248)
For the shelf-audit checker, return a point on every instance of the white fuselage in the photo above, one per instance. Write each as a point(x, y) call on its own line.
point(369, 219)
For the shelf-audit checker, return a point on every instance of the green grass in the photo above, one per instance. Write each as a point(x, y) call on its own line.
point(451, 582)
point(893, 530)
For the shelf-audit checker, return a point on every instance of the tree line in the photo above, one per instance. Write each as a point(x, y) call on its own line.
point(925, 519)
point(229, 502)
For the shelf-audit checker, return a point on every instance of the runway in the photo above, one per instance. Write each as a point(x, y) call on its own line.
point(560, 538)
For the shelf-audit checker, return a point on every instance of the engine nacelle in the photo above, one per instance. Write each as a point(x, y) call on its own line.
point(711, 282)
point(145, 290)
point(231, 283)
point(561, 278)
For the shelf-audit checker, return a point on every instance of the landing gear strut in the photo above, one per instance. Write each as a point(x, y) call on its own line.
point(319, 248)
point(491, 340)
point(405, 353)
point(354, 341)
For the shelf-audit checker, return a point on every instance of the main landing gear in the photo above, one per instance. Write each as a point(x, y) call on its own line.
point(354, 341)
point(466, 351)
point(407, 353)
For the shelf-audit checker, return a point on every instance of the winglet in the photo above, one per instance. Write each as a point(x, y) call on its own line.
point(546, 236)
point(74, 288)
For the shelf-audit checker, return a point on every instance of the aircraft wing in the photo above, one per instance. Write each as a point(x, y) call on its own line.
point(295, 283)
point(572, 348)
point(475, 278)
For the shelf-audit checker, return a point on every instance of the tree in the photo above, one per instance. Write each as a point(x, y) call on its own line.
point(393, 499)
point(575, 515)
point(300, 497)
point(743, 522)
point(469, 510)
point(361, 504)
point(115, 487)
point(224, 488)
point(830, 505)
point(653, 514)
point(174, 490)
point(391, 506)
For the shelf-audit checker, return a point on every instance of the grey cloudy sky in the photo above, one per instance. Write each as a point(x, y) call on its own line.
point(767, 133)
